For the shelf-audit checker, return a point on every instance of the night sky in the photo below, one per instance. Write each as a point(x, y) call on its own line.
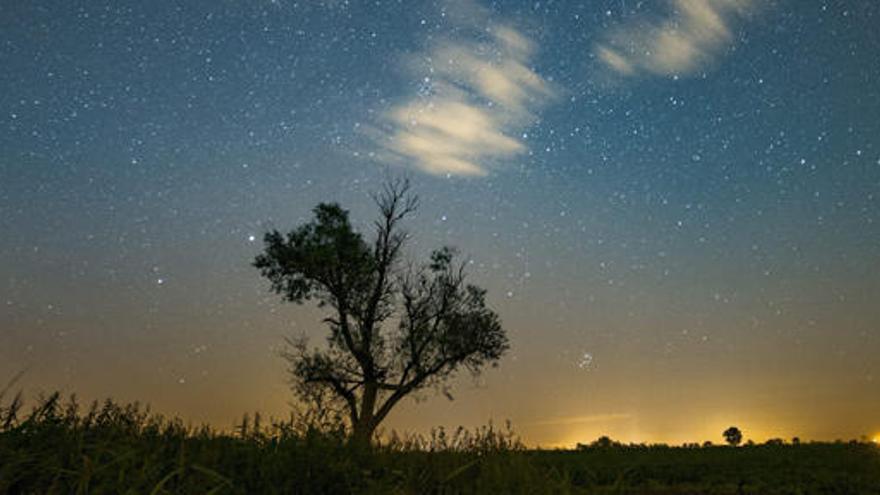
point(674, 205)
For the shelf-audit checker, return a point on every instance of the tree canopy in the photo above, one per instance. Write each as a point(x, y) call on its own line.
point(733, 436)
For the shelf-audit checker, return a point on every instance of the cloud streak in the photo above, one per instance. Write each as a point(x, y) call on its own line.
point(476, 93)
point(475, 97)
point(681, 44)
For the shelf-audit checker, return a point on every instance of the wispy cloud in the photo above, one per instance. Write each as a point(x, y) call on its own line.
point(475, 97)
point(692, 36)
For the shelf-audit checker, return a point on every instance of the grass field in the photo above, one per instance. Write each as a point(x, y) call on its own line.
point(57, 447)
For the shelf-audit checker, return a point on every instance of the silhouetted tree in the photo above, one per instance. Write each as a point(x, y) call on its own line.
point(733, 436)
point(604, 442)
point(395, 328)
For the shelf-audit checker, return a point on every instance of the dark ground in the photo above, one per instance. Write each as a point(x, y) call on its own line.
point(57, 448)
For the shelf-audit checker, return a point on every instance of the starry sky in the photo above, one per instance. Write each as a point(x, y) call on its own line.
point(674, 204)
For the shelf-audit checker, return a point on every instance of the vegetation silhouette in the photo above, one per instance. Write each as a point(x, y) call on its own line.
point(109, 447)
point(395, 327)
point(733, 436)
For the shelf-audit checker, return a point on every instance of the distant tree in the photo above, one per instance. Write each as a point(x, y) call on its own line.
point(604, 442)
point(707, 444)
point(733, 436)
point(774, 441)
point(795, 441)
point(395, 328)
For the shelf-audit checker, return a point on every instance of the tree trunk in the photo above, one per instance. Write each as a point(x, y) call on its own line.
point(363, 429)
point(362, 434)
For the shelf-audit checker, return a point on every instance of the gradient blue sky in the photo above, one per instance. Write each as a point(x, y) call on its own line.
point(673, 204)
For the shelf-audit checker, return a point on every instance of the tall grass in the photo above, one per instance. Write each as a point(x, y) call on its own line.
point(59, 447)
